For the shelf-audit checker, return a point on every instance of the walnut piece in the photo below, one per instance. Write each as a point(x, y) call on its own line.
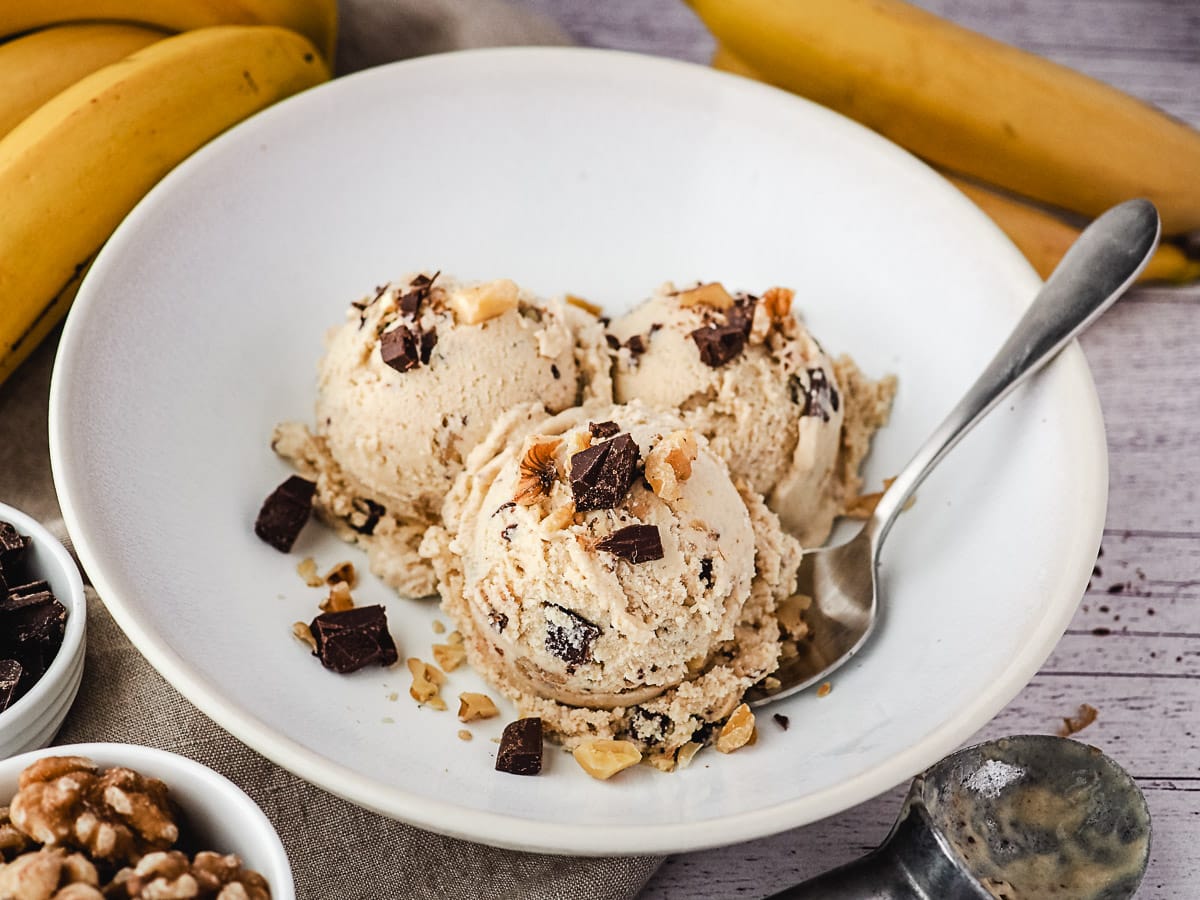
point(602, 759)
point(778, 302)
point(481, 302)
point(12, 841)
point(343, 572)
point(303, 633)
point(171, 876)
point(224, 877)
point(738, 731)
point(669, 464)
point(451, 654)
point(475, 706)
point(560, 517)
point(427, 684)
point(790, 614)
point(49, 874)
point(115, 816)
point(686, 754)
point(538, 470)
point(712, 294)
point(1073, 724)
point(307, 569)
point(339, 599)
point(587, 306)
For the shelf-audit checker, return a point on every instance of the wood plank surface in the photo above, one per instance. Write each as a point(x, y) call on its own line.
point(1133, 649)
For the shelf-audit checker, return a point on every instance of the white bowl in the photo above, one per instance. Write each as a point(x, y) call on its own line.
point(32, 721)
point(219, 814)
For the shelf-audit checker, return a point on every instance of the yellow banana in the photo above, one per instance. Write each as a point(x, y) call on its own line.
point(74, 168)
point(36, 67)
point(315, 19)
point(970, 103)
point(1039, 234)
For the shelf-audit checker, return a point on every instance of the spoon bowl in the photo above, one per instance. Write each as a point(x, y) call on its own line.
point(842, 581)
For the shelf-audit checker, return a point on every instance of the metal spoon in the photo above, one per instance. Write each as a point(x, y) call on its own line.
point(842, 580)
point(1021, 817)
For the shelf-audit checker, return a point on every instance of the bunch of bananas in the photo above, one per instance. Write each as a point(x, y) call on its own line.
point(99, 99)
point(1039, 147)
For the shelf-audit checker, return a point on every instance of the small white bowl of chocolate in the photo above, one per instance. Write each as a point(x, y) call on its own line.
point(104, 821)
point(43, 622)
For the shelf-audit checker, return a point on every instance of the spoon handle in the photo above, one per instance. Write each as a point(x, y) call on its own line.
point(1095, 271)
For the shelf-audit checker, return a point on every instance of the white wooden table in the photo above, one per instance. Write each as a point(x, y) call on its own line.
point(1133, 649)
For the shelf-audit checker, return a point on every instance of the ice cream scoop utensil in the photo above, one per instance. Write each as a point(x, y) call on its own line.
point(1030, 816)
point(843, 580)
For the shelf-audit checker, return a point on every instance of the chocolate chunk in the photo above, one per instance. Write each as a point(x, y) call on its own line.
point(400, 348)
point(612, 342)
point(428, 342)
point(636, 345)
point(648, 727)
point(32, 587)
point(14, 546)
point(706, 571)
point(719, 344)
point(635, 543)
point(782, 720)
point(604, 429)
point(410, 303)
point(741, 314)
point(10, 677)
point(284, 513)
point(520, 750)
point(348, 640)
point(366, 515)
point(554, 372)
point(818, 398)
point(602, 474)
point(569, 636)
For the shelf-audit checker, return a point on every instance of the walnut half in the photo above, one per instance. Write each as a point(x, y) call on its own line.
point(49, 874)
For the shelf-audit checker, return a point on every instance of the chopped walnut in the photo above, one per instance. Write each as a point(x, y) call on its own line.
point(339, 599)
point(49, 874)
point(538, 470)
point(302, 633)
point(790, 614)
point(738, 731)
point(559, 518)
point(1073, 724)
point(451, 654)
point(115, 816)
point(602, 759)
point(427, 684)
point(475, 706)
point(223, 876)
point(438, 627)
point(825, 689)
point(669, 464)
point(770, 684)
point(577, 442)
point(712, 294)
point(464, 735)
point(586, 305)
point(778, 302)
point(343, 572)
point(170, 875)
point(481, 302)
point(664, 762)
point(307, 569)
point(686, 754)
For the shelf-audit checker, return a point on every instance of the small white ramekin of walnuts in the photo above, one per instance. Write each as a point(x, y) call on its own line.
point(121, 822)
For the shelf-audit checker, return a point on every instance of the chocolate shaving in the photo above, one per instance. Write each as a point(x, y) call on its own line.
point(348, 640)
point(520, 750)
point(818, 398)
point(603, 430)
point(602, 474)
point(284, 513)
point(634, 543)
point(569, 636)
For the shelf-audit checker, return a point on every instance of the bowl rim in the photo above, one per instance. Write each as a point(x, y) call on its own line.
point(510, 830)
point(75, 601)
point(134, 756)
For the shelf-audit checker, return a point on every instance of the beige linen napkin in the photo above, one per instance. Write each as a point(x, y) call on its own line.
point(337, 851)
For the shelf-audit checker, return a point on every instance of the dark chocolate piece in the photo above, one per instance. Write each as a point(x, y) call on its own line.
point(782, 720)
point(818, 398)
point(636, 345)
point(612, 342)
point(284, 513)
point(602, 474)
point(400, 348)
point(366, 515)
point(741, 314)
point(706, 575)
point(10, 678)
point(428, 342)
point(604, 430)
point(520, 750)
point(32, 587)
point(635, 543)
point(507, 504)
point(719, 344)
point(554, 372)
point(570, 636)
point(13, 548)
point(348, 640)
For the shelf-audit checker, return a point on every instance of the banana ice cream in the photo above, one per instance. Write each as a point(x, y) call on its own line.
point(608, 575)
point(410, 383)
point(793, 424)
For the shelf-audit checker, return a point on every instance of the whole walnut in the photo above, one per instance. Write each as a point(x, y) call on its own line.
point(49, 874)
point(169, 876)
point(115, 817)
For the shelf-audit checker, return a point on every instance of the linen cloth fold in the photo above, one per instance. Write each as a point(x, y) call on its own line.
point(337, 850)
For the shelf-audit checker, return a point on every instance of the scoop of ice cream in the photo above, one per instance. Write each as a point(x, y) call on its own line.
point(747, 375)
point(609, 576)
point(411, 382)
